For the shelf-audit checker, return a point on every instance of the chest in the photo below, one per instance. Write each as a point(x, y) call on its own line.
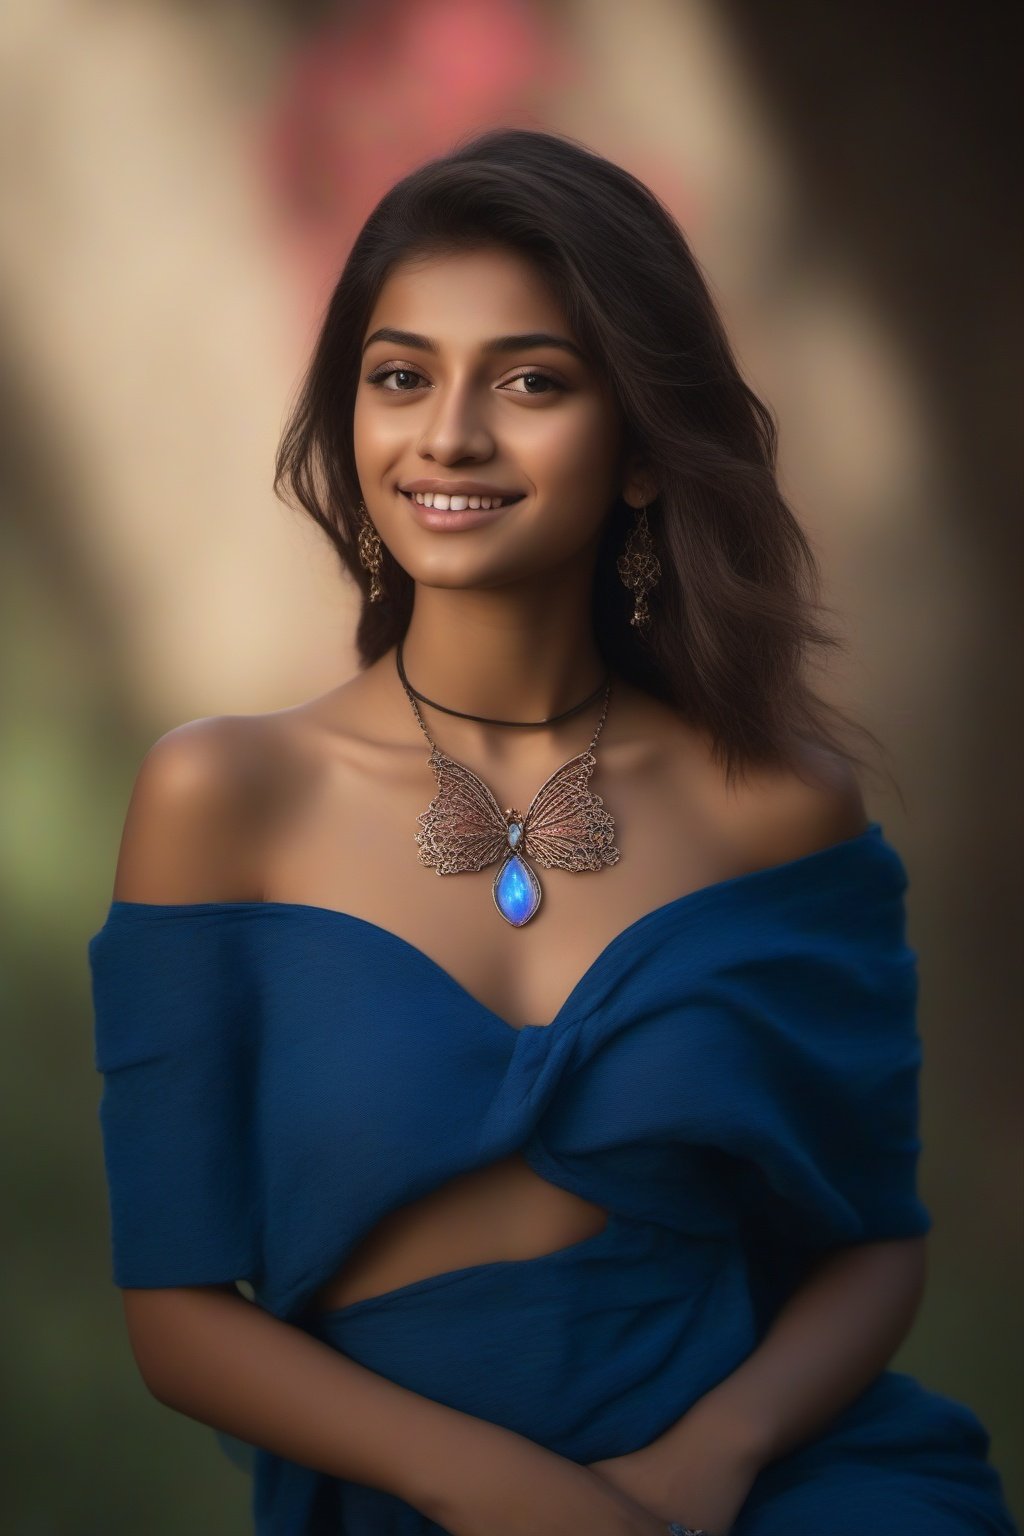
point(348, 843)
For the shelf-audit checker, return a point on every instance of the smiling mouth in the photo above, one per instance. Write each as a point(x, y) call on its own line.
point(463, 503)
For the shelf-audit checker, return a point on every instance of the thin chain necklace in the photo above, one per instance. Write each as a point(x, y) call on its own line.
point(464, 829)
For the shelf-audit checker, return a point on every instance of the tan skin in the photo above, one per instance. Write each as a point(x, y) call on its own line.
point(317, 804)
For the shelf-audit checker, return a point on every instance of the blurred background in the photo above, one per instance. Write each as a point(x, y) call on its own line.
point(180, 185)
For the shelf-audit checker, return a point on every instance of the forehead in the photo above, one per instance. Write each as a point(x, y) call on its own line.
point(463, 297)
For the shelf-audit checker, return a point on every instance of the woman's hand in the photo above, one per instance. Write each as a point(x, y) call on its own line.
point(513, 1487)
point(694, 1474)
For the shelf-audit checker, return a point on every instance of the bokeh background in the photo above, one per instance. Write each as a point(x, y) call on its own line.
point(180, 184)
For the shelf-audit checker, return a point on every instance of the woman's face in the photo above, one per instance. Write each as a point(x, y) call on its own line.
point(464, 398)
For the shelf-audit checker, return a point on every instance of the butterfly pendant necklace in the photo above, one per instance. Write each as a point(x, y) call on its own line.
point(464, 829)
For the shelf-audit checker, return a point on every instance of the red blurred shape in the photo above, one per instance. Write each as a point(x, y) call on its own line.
point(368, 96)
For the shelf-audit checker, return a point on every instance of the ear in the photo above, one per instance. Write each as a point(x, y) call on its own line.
point(638, 486)
point(639, 489)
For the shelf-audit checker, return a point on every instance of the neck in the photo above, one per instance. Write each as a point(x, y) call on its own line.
point(504, 661)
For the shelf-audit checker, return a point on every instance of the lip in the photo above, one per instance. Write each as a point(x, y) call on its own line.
point(442, 521)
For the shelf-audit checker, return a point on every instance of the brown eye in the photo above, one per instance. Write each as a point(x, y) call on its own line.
point(535, 377)
point(381, 374)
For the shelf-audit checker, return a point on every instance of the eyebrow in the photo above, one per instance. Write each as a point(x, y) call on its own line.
point(497, 343)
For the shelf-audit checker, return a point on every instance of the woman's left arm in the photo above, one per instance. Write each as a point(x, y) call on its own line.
point(826, 1344)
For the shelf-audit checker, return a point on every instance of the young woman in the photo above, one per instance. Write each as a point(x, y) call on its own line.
point(576, 1193)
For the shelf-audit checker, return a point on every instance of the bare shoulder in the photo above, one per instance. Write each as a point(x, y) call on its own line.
point(766, 816)
point(788, 813)
point(191, 831)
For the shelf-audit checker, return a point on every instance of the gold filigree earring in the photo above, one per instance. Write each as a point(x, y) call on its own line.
point(639, 567)
point(370, 553)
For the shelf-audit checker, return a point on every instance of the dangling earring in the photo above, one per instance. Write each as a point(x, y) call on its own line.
point(640, 567)
point(369, 553)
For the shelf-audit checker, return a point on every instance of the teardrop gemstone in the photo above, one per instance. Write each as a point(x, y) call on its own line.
point(516, 891)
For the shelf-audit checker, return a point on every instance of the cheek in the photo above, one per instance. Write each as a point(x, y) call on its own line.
point(375, 431)
point(361, 437)
point(573, 450)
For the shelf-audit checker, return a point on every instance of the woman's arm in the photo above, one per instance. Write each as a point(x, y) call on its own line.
point(829, 1341)
point(841, 1327)
point(209, 1353)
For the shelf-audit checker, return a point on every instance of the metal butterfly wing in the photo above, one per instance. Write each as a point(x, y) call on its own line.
point(462, 827)
point(567, 826)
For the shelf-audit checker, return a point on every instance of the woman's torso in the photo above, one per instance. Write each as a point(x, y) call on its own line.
point(337, 807)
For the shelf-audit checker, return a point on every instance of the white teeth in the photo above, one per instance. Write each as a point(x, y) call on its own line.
point(456, 503)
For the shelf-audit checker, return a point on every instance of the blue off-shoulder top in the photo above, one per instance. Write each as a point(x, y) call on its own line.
point(734, 1078)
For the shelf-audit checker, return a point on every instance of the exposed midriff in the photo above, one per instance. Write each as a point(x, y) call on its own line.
point(501, 1211)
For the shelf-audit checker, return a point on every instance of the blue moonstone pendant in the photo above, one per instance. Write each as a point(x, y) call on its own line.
point(516, 889)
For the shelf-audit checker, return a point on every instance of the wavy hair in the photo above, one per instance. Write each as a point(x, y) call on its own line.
point(735, 616)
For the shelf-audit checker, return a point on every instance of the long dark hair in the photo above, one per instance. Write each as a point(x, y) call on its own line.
point(735, 616)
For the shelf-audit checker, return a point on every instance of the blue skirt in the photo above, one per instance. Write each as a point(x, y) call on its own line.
point(596, 1349)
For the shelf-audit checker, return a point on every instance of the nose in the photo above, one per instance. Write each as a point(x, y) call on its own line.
point(455, 428)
